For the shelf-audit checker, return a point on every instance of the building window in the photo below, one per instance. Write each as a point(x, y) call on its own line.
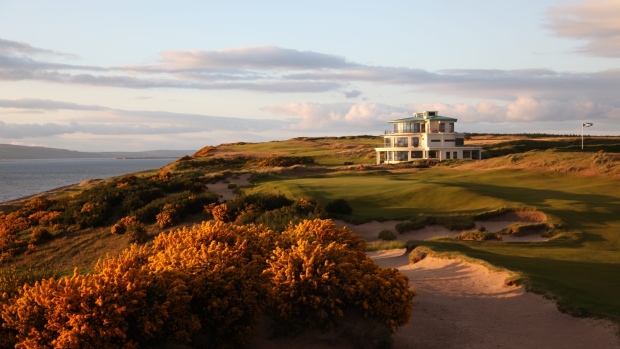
point(454, 155)
point(432, 154)
point(416, 127)
point(417, 154)
point(388, 142)
point(459, 142)
point(442, 127)
point(435, 140)
point(448, 140)
point(466, 154)
point(402, 142)
point(447, 155)
point(401, 156)
point(451, 127)
point(415, 141)
point(423, 128)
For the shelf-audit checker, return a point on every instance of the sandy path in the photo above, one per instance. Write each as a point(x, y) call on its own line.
point(221, 188)
point(464, 305)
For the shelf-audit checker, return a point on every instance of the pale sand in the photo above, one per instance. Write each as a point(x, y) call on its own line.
point(464, 305)
point(221, 188)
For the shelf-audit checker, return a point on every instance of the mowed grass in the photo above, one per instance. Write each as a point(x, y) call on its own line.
point(583, 276)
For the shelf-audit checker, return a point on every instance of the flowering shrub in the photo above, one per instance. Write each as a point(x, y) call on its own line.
point(320, 272)
point(211, 282)
point(168, 217)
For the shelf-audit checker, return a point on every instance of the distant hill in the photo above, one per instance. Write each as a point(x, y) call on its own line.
point(14, 152)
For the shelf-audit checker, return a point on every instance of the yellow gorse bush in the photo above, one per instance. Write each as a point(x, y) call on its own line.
point(212, 282)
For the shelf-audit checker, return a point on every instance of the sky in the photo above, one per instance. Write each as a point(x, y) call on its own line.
point(146, 75)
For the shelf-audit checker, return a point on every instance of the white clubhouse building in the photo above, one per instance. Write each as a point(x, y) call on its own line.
point(426, 135)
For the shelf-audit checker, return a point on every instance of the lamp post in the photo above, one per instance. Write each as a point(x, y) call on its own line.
point(585, 124)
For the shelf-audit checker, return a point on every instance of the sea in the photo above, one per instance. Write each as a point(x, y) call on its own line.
point(20, 178)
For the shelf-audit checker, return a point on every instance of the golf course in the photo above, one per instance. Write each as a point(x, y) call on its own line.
point(574, 262)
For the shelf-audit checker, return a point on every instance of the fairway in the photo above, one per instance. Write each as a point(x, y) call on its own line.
point(583, 276)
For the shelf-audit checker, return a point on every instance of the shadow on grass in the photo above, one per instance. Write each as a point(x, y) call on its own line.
point(594, 208)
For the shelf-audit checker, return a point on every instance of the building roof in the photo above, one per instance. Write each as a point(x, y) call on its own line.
point(414, 119)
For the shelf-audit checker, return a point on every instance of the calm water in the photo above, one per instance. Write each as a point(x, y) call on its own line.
point(19, 178)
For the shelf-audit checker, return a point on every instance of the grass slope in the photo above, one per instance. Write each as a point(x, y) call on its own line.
point(583, 276)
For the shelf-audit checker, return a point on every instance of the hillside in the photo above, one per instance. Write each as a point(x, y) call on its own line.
point(302, 178)
point(14, 152)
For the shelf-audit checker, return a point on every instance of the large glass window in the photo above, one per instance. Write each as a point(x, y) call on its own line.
point(432, 154)
point(466, 154)
point(402, 142)
point(451, 127)
point(442, 127)
point(459, 142)
point(417, 154)
point(388, 142)
point(415, 141)
point(401, 156)
point(416, 127)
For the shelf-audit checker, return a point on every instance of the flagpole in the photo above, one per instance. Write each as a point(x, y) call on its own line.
point(582, 125)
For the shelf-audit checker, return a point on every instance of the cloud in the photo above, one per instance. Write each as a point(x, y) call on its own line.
point(8, 47)
point(101, 120)
point(338, 116)
point(270, 69)
point(278, 70)
point(597, 22)
point(372, 117)
point(45, 104)
point(352, 94)
point(261, 57)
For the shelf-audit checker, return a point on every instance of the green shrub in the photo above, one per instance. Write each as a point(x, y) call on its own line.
point(285, 161)
point(386, 235)
point(406, 226)
point(453, 222)
point(477, 235)
point(137, 233)
point(40, 235)
point(339, 207)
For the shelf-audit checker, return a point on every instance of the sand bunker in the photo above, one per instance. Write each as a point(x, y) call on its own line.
point(464, 305)
point(225, 193)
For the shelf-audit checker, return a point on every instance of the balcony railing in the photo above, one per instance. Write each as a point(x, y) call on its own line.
point(392, 132)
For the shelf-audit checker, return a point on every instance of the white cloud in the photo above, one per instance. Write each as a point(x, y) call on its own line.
point(101, 120)
point(496, 95)
point(597, 22)
point(261, 57)
point(20, 48)
point(339, 117)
